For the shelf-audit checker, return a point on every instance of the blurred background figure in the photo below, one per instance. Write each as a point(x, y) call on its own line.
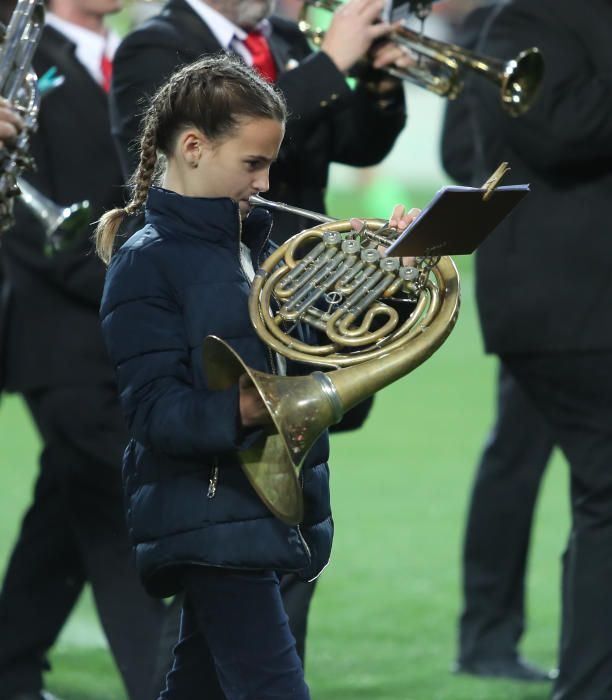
point(512, 463)
point(544, 291)
point(53, 354)
point(331, 123)
point(289, 9)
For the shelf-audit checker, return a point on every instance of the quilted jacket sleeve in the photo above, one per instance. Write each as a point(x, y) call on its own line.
point(143, 328)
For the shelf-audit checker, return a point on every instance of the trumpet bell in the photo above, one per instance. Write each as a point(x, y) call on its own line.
point(63, 226)
point(521, 81)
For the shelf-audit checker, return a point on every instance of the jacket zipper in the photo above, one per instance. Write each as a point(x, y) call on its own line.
point(272, 364)
point(306, 547)
point(213, 480)
point(272, 369)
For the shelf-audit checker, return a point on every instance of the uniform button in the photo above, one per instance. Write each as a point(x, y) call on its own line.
point(334, 96)
point(324, 103)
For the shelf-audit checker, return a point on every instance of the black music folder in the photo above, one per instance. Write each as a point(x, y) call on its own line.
point(457, 220)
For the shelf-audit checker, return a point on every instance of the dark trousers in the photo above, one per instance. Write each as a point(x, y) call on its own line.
point(234, 628)
point(297, 596)
point(498, 528)
point(574, 393)
point(73, 532)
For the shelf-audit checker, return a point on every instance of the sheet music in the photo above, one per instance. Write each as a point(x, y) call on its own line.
point(457, 220)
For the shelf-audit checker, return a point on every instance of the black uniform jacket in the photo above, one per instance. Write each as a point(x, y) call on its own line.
point(544, 278)
point(50, 330)
point(328, 122)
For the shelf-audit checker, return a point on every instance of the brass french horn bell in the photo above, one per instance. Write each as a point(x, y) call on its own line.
point(441, 65)
point(343, 265)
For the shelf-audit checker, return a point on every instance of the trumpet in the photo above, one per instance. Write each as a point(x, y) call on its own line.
point(345, 289)
point(62, 226)
point(440, 66)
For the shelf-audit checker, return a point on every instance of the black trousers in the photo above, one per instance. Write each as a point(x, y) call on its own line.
point(297, 596)
point(574, 393)
point(74, 532)
point(499, 523)
point(234, 629)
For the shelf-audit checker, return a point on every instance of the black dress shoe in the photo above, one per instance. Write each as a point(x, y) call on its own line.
point(516, 669)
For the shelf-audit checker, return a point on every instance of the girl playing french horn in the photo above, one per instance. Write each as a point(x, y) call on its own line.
point(197, 524)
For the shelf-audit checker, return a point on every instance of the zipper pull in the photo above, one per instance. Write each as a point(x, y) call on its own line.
point(212, 483)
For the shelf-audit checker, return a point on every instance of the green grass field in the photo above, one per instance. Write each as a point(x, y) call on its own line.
point(384, 618)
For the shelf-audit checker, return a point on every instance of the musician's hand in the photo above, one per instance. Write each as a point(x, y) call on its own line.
point(253, 410)
point(353, 29)
point(392, 54)
point(400, 219)
point(10, 122)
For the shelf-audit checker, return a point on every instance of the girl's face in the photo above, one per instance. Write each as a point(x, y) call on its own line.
point(236, 167)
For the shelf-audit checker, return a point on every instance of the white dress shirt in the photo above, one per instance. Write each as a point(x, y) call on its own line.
point(249, 271)
point(90, 46)
point(228, 34)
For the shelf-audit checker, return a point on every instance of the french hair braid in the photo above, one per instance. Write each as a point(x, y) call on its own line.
point(109, 223)
point(212, 94)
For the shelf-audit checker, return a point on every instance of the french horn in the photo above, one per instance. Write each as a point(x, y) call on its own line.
point(380, 320)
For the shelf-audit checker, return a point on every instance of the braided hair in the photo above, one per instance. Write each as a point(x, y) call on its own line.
point(212, 94)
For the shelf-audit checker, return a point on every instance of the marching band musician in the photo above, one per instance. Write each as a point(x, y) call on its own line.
point(327, 120)
point(53, 354)
point(509, 472)
point(544, 289)
point(197, 524)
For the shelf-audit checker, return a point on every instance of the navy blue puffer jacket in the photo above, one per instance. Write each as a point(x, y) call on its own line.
point(169, 286)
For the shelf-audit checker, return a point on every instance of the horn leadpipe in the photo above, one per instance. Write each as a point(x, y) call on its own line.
point(258, 201)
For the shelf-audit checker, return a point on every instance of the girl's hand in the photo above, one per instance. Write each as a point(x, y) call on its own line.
point(253, 410)
point(399, 219)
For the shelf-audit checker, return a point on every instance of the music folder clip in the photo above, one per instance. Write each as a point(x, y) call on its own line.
point(458, 219)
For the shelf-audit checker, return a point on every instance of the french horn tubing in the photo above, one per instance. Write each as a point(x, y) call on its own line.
point(380, 320)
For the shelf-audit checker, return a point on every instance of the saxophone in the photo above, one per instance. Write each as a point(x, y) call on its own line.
point(18, 86)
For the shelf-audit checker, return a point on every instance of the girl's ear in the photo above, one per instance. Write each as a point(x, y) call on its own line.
point(191, 146)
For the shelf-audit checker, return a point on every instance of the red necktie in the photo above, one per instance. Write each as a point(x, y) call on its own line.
point(107, 70)
point(258, 47)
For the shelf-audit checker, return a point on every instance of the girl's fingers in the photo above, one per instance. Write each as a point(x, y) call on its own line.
point(397, 214)
point(400, 219)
